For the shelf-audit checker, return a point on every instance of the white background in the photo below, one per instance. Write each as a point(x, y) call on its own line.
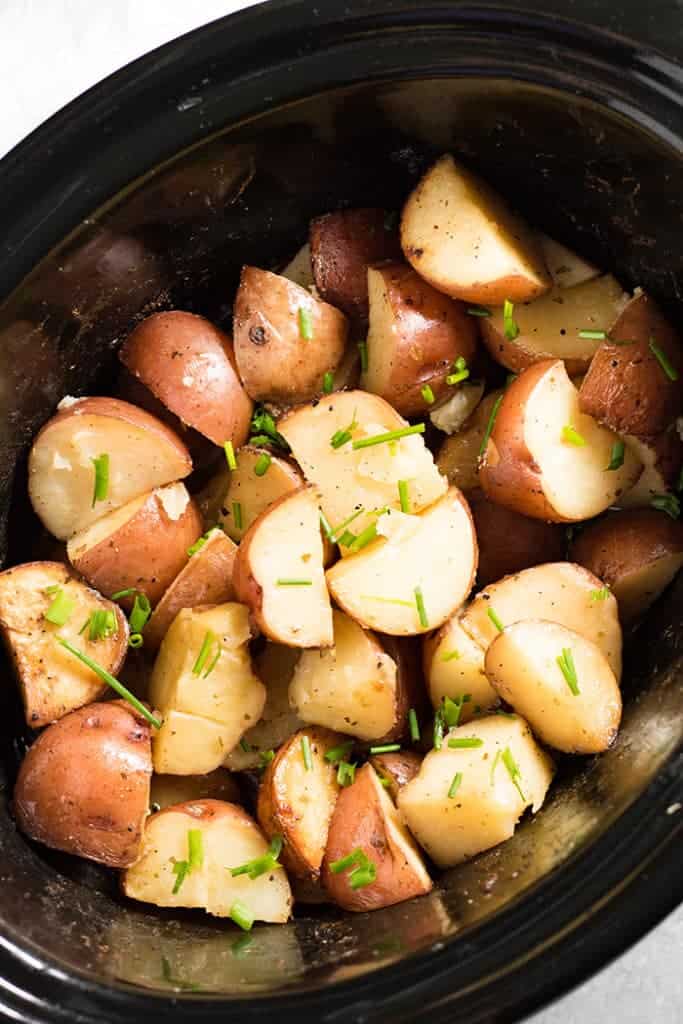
point(52, 50)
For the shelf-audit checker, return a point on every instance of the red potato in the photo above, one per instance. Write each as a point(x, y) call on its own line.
point(143, 454)
point(365, 819)
point(463, 239)
point(84, 785)
point(416, 334)
point(566, 267)
point(189, 365)
point(142, 545)
point(636, 553)
point(285, 339)
point(458, 456)
point(662, 459)
point(343, 245)
point(453, 664)
point(629, 385)
point(532, 467)
point(205, 579)
point(509, 542)
point(396, 770)
point(252, 492)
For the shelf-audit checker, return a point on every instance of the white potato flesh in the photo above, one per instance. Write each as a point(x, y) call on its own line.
point(350, 687)
point(451, 415)
point(229, 839)
point(487, 803)
point(522, 664)
point(366, 478)
point(566, 267)
point(223, 692)
point(575, 478)
point(299, 269)
point(557, 591)
point(434, 553)
point(454, 667)
point(254, 493)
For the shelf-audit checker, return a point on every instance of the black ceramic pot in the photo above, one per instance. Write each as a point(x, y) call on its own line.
point(150, 191)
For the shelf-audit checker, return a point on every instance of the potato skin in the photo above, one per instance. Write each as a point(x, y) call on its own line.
point(84, 785)
point(343, 244)
point(626, 388)
point(509, 542)
point(410, 690)
point(398, 769)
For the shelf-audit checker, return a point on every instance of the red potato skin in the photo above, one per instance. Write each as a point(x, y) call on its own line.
point(358, 823)
point(626, 388)
point(205, 579)
point(83, 786)
point(399, 769)
point(343, 244)
point(167, 349)
point(147, 552)
point(430, 331)
point(410, 688)
point(509, 542)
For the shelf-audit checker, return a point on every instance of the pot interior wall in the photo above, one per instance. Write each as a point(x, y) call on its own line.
point(178, 238)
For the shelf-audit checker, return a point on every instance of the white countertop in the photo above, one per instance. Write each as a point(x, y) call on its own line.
point(52, 50)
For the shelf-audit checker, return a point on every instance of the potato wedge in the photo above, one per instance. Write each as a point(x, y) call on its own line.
point(454, 667)
point(52, 681)
point(396, 770)
point(229, 838)
point(168, 790)
point(560, 592)
point(189, 365)
point(636, 553)
point(343, 245)
point(283, 585)
point(662, 459)
point(204, 687)
point(365, 478)
point(458, 457)
point(549, 327)
point(547, 459)
point(351, 687)
point(285, 339)
point(452, 414)
point(430, 558)
point(143, 544)
point(492, 783)
point(297, 796)
point(463, 239)
point(143, 454)
point(247, 493)
point(274, 666)
point(415, 336)
point(83, 786)
point(509, 542)
point(633, 384)
point(573, 705)
point(299, 269)
point(205, 579)
point(566, 267)
point(365, 819)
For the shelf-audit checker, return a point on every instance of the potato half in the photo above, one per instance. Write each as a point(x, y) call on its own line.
point(469, 798)
point(560, 682)
point(547, 459)
point(458, 457)
point(509, 542)
point(566, 267)
point(454, 667)
point(53, 681)
point(246, 493)
point(299, 269)
point(462, 237)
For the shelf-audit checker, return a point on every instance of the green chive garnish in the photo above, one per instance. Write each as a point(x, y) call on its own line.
point(338, 532)
point(237, 514)
point(668, 503)
point(451, 709)
point(461, 372)
point(306, 753)
point(568, 669)
point(61, 608)
point(593, 335)
point(455, 785)
point(261, 865)
point(305, 324)
point(364, 538)
point(324, 522)
point(428, 394)
point(663, 360)
point(263, 430)
point(181, 870)
point(572, 436)
point(600, 595)
point(135, 640)
point(343, 436)
point(388, 600)
point(123, 593)
point(478, 311)
point(466, 743)
point(328, 383)
point(413, 725)
point(266, 756)
point(391, 435)
point(386, 748)
point(230, 455)
point(336, 754)
point(490, 424)
point(207, 643)
point(346, 773)
point(403, 495)
point(241, 915)
point(495, 620)
point(111, 681)
point(101, 485)
point(450, 655)
point(213, 663)
point(102, 626)
point(421, 610)
point(262, 463)
point(140, 613)
point(286, 582)
point(246, 746)
point(198, 545)
point(364, 870)
point(617, 455)
point(512, 770)
point(195, 848)
point(363, 349)
point(510, 326)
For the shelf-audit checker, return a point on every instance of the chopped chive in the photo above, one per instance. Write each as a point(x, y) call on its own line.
point(111, 681)
point(363, 349)
point(478, 311)
point(241, 915)
point(181, 870)
point(324, 522)
point(495, 620)
point(364, 870)
point(572, 436)
point(347, 538)
point(209, 638)
point(413, 725)
point(102, 626)
point(512, 770)
point(403, 495)
point(239, 946)
point(593, 335)
point(54, 589)
point(663, 360)
point(305, 324)
point(336, 754)
point(457, 378)
point(566, 663)
point(391, 435)
point(123, 593)
point(393, 448)
point(286, 582)
point(198, 545)
point(346, 773)
point(438, 730)
point(600, 595)
point(428, 394)
point(510, 379)
point(135, 640)
point(465, 743)
point(237, 514)
point(230, 455)
point(495, 765)
point(452, 709)
point(306, 753)
point(262, 463)
point(386, 748)
point(337, 866)
point(101, 485)
point(510, 326)
point(263, 430)
point(364, 538)
point(388, 600)
point(455, 785)
point(261, 865)
point(339, 530)
point(421, 610)
point(328, 383)
point(246, 746)
point(616, 460)
point(195, 848)
point(140, 613)
point(384, 780)
point(361, 877)
point(668, 503)
point(61, 608)
point(490, 425)
point(343, 436)
point(266, 756)
point(213, 663)
point(450, 655)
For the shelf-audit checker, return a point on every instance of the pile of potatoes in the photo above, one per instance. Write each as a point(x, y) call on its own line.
point(360, 626)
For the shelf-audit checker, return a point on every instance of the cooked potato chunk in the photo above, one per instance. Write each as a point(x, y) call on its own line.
point(395, 770)
point(560, 682)
point(247, 493)
point(54, 682)
point(297, 797)
point(452, 414)
point(299, 269)
point(367, 826)
point(83, 786)
point(454, 667)
point(469, 795)
point(415, 574)
point(566, 267)
point(462, 238)
point(167, 790)
point(509, 542)
point(205, 689)
point(662, 459)
point(227, 838)
point(547, 459)
point(458, 457)
point(283, 584)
